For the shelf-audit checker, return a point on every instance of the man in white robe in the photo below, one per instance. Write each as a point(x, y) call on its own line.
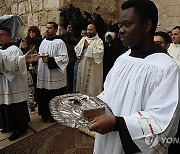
point(174, 49)
point(14, 115)
point(16, 63)
point(142, 90)
point(51, 74)
point(90, 52)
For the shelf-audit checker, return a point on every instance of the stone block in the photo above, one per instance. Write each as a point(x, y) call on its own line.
point(43, 18)
point(25, 20)
point(15, 1)
point(53, 16)
point(49, 5)
point(14, 8)
point(174, 22)
point(29, 18)
point(37, 5)
point(8, 2)
point(22, 8)
point(2, 3)
point(8, 9)
point(173, 11)
point(35, 19)
point(2, 11)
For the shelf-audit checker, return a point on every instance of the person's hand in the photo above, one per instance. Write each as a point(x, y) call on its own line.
point(31, 57)
point(44, 59)
point(103, 124)
point(85, 44)
point(78, 59)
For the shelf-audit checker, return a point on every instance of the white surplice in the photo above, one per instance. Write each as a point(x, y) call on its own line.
point(52, 78)
point(145, 92)
point(13, 86)
point(90, 68)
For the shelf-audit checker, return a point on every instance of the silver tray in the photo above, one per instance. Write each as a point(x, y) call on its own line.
point(68, 109)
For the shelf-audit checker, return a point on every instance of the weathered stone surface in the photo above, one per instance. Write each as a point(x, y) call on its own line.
point(24, 18)
point(53, 16)
point(43, 18)
point(22, 8)
point(29, 18)
point(2, 3)
point(49, 5)
point(173, 11)
point(14, 8)
point(2, 11)
point(14, 1)
point(39, 12)
point(8, 1)
point(8, 9)
point(37, 5)
point(169, 13)
point(35, 20)
point(107, 7)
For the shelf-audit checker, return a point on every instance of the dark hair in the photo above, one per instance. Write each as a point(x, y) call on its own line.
point(6, 29)
point(24, 40)
point(176, 27)
point(169, 32)
point(164, 35)
point(34, 29)
point(55, 25)
point(145, 9)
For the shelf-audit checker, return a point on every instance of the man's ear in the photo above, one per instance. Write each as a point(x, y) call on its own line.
point(167, 46)
point(147, 25)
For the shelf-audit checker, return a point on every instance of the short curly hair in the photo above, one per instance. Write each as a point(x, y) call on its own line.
point(6, 29)
point(145, 9)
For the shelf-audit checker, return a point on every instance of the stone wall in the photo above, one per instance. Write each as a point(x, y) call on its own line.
point(33, 12)
point(39, 12)
point(169, 14)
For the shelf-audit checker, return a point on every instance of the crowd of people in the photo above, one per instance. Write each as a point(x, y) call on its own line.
point(132, 67)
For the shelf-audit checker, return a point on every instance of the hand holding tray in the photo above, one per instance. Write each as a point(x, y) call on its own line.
point(71, 109)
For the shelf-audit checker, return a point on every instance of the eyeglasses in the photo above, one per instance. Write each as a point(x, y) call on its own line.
point(159, 42)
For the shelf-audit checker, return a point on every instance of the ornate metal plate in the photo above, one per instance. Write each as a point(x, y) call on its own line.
point(67, 109)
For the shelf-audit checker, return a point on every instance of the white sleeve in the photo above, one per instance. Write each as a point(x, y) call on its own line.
point(12, 64)
point(62, 59)
point(160, 115)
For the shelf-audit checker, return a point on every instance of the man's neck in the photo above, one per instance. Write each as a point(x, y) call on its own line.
point(51, 37)
point(5, 46)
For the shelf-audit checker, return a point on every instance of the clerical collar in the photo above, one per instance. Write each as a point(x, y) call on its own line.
point(92, 38)
point(4, 47)
point(147, 50)
point(52, 38)
point(176, 45)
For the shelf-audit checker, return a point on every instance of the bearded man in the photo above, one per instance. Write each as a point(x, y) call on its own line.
point(90, 51)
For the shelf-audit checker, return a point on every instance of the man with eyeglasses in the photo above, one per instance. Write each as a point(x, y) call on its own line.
point(163, 39)
point(14, 115)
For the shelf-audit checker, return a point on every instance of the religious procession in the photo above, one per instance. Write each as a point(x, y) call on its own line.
point(119, 80)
